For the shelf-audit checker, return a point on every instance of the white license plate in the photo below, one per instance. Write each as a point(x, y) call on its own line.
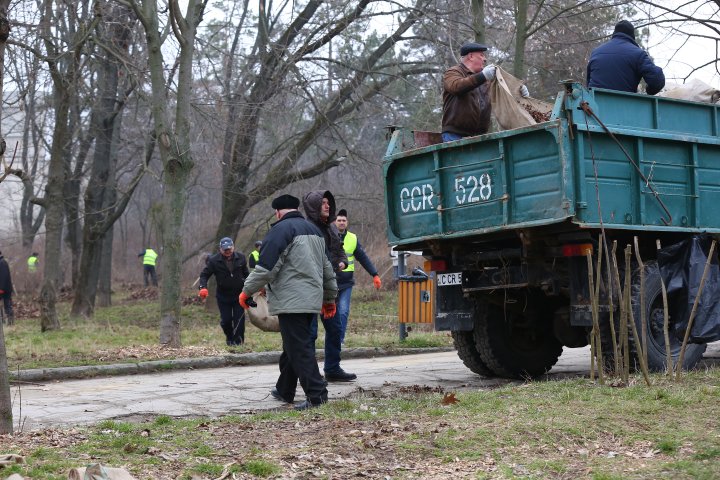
point(445, 279)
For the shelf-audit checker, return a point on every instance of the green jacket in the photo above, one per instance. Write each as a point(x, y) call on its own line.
point(295, 267)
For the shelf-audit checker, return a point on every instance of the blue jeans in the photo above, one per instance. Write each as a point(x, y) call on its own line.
point(343, 310)
point(449, 137)
point(332, 341)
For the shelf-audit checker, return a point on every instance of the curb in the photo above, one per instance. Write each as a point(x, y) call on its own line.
point(155, 366)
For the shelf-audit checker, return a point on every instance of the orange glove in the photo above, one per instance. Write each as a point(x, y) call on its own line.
point(203, 293)
point(328, 310)
point(377, 282)
point(244, 300)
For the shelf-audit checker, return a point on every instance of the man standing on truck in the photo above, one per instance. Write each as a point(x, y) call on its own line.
point(620, 63)
point(345, 278)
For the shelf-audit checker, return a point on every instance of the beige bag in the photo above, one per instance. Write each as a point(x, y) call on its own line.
point(509, 108)
point(99, 472)
point(695, 90)
point(260, 315)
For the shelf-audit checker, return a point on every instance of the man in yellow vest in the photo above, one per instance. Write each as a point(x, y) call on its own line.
point(254, 255)
point(345, 278)
point(32, 263)
point(149, 257)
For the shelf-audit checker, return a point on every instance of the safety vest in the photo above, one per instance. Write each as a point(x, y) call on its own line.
point(32, 264)
point(255, 254)
point(150, 257)
point(350, 244)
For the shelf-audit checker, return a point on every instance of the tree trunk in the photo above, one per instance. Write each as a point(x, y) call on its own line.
point(521, 15)
point(6, 420)
point(104, 290)
point(478, 20)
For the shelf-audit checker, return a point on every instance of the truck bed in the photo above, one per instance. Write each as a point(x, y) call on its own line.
point(553, 173)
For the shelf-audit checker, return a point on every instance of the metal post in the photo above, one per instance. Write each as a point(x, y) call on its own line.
point(400, 272)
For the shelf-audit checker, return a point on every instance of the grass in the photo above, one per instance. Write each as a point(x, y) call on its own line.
point(554, 429)
point(128, 332)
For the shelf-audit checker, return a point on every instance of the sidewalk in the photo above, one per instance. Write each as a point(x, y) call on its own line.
point(231, 359)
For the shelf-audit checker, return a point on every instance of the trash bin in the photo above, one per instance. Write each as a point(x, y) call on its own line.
point(416, 299)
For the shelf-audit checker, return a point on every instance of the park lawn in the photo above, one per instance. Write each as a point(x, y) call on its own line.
point(557, 429)
point(128, 331)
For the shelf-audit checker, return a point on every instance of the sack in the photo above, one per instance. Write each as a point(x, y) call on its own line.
point(694, 90)
point(260, 315)
point(509, 108)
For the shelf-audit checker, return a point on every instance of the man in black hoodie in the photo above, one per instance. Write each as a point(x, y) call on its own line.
point(6, 289)
point(230, 270)
point(319, 208)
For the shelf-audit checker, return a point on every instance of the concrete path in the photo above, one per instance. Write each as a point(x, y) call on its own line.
point(244, 389)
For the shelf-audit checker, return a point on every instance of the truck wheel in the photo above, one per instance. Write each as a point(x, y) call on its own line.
point(467, 351)
point(657, 358)
point(513, 344)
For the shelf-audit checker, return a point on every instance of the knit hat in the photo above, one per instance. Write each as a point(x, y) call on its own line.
point(285, 202)
point(342, 213)
point(623, 26)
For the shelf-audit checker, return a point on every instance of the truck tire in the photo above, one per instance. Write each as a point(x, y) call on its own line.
point(657, 359)
point(467, 351)
point(509, 348)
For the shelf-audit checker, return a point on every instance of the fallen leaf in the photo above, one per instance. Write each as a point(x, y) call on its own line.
point(449, 399)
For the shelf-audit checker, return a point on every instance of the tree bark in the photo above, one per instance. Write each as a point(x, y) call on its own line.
point(6, 420)
point(521, 15)
point(478, 19)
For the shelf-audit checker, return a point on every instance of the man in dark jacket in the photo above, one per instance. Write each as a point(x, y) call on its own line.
point(346, 278)
point(300, 282)
point(620, 64)
point(466, 98)
point(230, 270)
point(319, 207)
point(6, 289)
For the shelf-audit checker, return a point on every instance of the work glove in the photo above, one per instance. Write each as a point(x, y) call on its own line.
point(489, 73)
point(2, 292)
point(203, 293)
point(328, 310)
point(524, 92)
point(377, 282)
point(246, 301)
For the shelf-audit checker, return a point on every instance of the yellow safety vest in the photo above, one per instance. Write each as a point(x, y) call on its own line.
point(150, 257)
point(255, 254)
point(350, 244)
point(32, 264)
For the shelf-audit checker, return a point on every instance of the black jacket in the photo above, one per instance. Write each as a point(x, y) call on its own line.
point(5, 280)
point(229, 282)
point(312, 203)
point(346, 280)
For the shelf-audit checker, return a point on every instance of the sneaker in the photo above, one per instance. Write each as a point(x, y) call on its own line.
point(340, 375)
point(276, 395)
point(307, 405)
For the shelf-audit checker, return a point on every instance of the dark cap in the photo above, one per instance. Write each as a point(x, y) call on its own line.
point(258, 243)
point(226, 243)
point(470, 47)
point(285, 202)
point(623, 26)
point(342, 213)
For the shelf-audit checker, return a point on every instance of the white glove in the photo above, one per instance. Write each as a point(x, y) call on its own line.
point(489, 73)
point(524, 91)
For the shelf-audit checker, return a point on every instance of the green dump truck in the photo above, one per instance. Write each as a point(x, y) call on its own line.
point(505, 220)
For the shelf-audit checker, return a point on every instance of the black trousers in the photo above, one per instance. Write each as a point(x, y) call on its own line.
point(150, 273)
point(297, 361)
point(6, 299)
point(232, 318)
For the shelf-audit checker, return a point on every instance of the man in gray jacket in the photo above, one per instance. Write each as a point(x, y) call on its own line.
point(300, 282)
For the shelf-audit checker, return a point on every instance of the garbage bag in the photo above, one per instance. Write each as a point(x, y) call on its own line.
point(694, 90)
point(681, 267)
point(260, 315)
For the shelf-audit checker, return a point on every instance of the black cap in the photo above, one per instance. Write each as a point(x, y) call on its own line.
point(623, 26)
point(225, 243)
point(258, 243)
point(285, 202)
point(470, 47)
point(342, 213)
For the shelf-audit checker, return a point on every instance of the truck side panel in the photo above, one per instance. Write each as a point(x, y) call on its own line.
point(510, 179)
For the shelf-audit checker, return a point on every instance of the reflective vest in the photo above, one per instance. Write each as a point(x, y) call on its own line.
point(150, 257)
point(350, 244)
point(255, 254)
point(32, 264)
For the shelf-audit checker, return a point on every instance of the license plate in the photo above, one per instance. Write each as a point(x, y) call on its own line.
point(445, 279)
